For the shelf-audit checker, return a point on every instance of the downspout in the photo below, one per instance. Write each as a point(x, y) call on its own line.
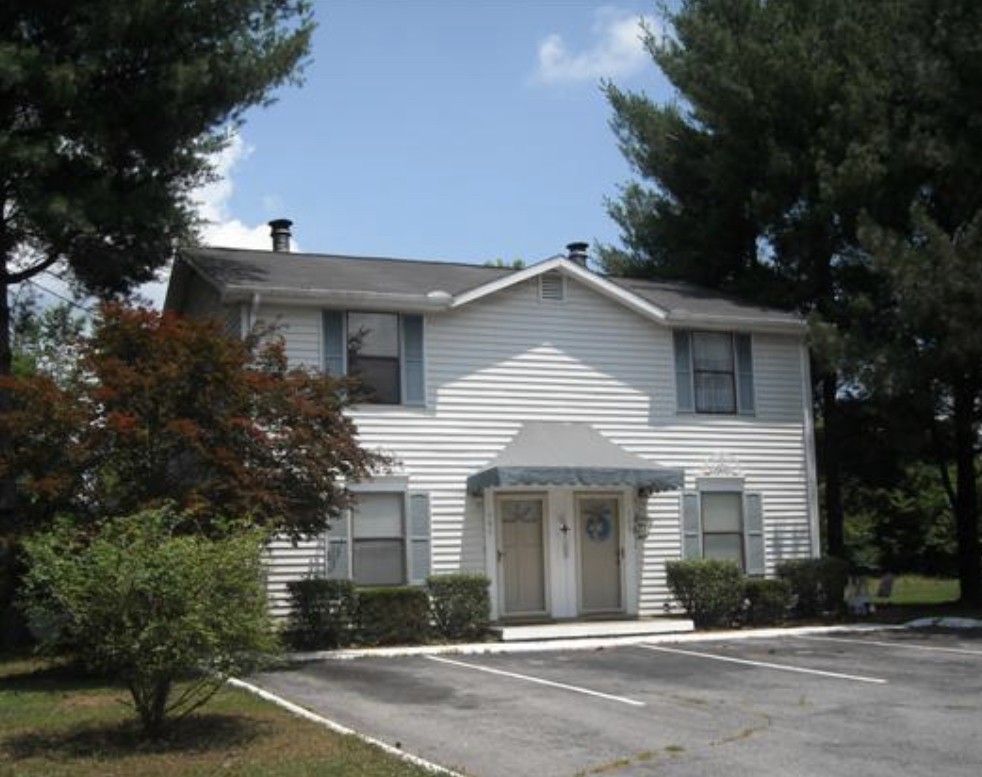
point(254, 311)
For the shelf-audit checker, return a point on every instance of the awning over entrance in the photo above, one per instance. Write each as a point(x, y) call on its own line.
point(547, 453)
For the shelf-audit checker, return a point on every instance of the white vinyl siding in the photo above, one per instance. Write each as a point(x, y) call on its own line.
point(492, 364)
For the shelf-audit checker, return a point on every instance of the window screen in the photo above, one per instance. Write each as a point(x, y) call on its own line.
point(722, 526)
point(378, 544)
point(373, 355)
point(713, 372)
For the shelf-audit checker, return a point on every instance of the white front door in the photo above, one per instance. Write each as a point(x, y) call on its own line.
point(599, 540)
point(521, 554)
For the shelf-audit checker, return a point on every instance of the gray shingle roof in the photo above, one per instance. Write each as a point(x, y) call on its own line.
point(680, 298)
point(246, 270)
point(242, 271)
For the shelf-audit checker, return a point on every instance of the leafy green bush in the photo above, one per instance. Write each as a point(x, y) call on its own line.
point(710, 591)
point(322, 613)
point(817, 584)
point(460, 604)
point(767, 601)
point(393, 616)
point(150, 608)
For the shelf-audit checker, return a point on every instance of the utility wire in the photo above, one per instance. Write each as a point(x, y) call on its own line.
point(62, 297)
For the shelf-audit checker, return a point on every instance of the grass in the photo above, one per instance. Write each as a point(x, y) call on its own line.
point(55, 722)
point(917, 590)
point(917, 596)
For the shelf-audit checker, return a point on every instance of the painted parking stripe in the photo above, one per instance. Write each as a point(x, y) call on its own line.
point(767, 665)
point(961, 651)
point(539, 681)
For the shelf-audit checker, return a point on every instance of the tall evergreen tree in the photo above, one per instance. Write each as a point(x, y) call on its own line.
point(109, 113)
point(757, 175)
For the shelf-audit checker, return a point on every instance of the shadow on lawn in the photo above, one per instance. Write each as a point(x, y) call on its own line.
point(53, 677)
point(196, 734)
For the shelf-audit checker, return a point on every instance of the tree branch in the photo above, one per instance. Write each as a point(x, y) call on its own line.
point(30, 272)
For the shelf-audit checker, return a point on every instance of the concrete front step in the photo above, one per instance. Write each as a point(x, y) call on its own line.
point(592, 629)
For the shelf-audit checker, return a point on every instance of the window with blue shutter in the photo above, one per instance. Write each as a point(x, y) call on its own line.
point(713, 373)
point(384, 351)
point(725, 525)
point(384, 539)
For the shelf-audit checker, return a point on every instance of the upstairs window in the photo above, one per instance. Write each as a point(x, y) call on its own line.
point(714, 373)
point(383, 350)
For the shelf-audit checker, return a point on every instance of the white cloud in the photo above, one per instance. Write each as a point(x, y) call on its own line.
point(212, 201)
point(617, 50)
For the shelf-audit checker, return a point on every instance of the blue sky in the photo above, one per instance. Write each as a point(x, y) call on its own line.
point(441, 129)
point(457, 130)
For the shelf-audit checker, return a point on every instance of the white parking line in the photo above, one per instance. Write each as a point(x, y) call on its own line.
point(539, 681)
point(961, 651)
point(766, 664)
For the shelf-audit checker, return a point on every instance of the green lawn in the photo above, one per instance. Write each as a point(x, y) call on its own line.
point(910, 590)
point(55, 723)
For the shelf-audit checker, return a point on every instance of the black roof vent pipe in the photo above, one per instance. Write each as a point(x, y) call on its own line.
point(578, 253)
point(279, 230)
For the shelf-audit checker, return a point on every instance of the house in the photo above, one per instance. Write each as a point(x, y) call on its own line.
point(564, 432)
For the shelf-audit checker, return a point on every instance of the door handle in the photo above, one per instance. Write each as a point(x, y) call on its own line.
point(500, 556)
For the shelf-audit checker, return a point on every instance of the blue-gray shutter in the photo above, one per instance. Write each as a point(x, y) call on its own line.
point(753, 532)
point(683, 372)
point(413, 388)
point(691, 526)
point(337, 567)
point(419, 536)
point(334, 342)
point(746, 404)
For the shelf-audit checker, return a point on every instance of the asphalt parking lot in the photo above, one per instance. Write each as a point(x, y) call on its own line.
point(856, 704)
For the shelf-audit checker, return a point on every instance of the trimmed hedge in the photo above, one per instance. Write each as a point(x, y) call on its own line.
point(767, 601)
point(817, 584)
point(710, 591)
point(460, 604)
point(393, 616)
point(323, 613)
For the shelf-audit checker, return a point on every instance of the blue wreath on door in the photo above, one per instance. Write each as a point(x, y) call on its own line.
point(599, 526)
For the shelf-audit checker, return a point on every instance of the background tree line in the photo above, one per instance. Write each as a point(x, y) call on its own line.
point(826, 155)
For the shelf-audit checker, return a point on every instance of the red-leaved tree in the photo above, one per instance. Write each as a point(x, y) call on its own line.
point(161, 408)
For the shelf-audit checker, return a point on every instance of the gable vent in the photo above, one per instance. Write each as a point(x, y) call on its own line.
point(552, 286)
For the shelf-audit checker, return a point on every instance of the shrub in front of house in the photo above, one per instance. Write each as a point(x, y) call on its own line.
point(710, 591)
point(393, 616)
point(818, 585)
point(150, 607)
point(322, 613)
point(460, 604)
point(766, 601)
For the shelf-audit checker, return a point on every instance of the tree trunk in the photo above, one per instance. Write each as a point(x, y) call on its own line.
point(966, 495)
point(7, 485)
point(834, 514)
